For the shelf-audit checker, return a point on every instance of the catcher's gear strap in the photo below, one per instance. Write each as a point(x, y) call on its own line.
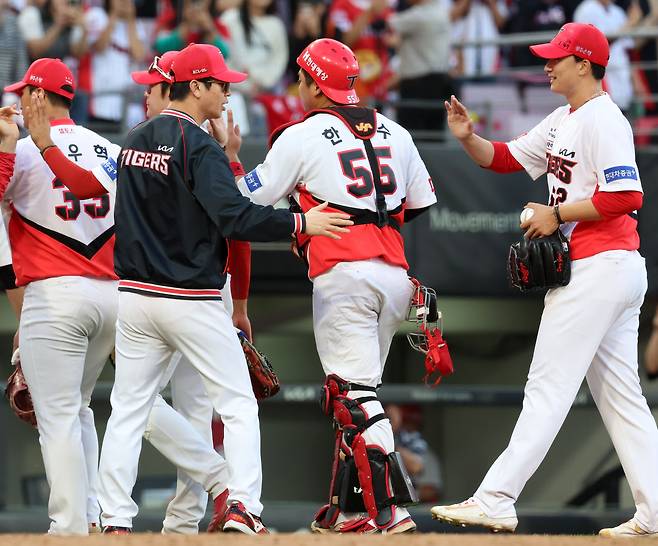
point(361, 121)
point(384, 481)
point(334, 386)
point(7, 277)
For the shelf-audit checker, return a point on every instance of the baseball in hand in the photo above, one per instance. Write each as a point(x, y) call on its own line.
point(526, 214)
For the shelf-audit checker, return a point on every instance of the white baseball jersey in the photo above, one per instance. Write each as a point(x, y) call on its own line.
point(320, 159)
point(584, 152)
point(52, 233)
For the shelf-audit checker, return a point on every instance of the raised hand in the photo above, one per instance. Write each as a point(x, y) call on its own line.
point(36, 121)
point(459, 120)
point(327, 224)
point(217, 129)
point(234, 142)
point(8, 127)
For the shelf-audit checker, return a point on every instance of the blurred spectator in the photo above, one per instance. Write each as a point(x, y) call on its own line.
point(54, 28)
point(260, 45)
point(13, 55)
point(116, 39)
point(478, 20)
point(196, 21)
point(361, 24)
point(424, 50)
point(536, 16)
point(307, 26)
point(646, 79)
point(421, 462)
point(611, 18)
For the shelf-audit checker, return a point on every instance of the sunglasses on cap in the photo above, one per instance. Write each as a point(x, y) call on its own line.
point(155, 67)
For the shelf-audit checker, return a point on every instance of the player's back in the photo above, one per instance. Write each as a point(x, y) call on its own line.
point(334, 167)
point(53, 233)
point(164, 235)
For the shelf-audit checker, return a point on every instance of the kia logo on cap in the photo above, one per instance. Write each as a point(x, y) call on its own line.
point(199, 70)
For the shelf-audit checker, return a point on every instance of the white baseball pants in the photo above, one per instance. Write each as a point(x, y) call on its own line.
point(66, 336)
point(357, 309)
point(149, 330)
point(183, 434)
point(588, 330)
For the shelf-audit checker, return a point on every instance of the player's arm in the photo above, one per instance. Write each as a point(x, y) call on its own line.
point(8, 139)
point(239, 266)
point(82, 182)
point(238, 218)
point(461, 126)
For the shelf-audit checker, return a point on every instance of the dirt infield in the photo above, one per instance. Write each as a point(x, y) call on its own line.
point(300, 539)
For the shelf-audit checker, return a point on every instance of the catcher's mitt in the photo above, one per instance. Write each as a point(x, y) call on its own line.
point(18, 393)
point(540, 263)
point(264, 380)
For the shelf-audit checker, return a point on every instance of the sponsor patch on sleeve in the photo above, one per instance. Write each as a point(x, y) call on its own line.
point(620, 173)
point(252, 181)
point(110, 168)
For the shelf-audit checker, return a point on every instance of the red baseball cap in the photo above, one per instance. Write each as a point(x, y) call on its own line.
point(199, 61)
point(580, 39)
point(157, 72)
point(49, 74)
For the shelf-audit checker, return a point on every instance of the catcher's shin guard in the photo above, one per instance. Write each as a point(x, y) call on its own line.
point(364, 477)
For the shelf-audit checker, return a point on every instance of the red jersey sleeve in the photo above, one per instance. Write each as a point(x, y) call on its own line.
point(80, 181)
point(503, 161)
point(611, 204)
point(239, 266)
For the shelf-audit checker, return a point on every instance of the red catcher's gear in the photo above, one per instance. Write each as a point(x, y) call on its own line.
point(333, 66)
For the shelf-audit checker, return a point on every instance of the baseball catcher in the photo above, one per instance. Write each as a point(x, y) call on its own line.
point(540, 263)
point(18, 394)
point(264, 380)
point(428, 340)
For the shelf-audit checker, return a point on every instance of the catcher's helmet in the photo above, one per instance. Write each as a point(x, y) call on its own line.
point(333, 66)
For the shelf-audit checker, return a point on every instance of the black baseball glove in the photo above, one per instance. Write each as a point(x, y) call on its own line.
point(536, 264)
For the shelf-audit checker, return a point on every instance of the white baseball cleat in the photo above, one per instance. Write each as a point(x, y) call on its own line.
point(469, 513)
point(628, 529)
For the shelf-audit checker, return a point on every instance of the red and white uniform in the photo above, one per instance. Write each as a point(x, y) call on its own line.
point(361, 292)
point(581, 160)
point(52, 233)
point(62, 251)
point(321, 160)
point(589, 328)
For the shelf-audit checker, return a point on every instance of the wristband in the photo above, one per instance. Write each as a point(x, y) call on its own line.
point(556, 211)
point(44, 150)
point(237, 168)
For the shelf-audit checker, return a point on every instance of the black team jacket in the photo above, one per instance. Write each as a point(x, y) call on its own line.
point(176, 204)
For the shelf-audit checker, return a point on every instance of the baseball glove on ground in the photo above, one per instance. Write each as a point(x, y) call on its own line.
point(264, 380)
point(18, 393)
point(540, 263)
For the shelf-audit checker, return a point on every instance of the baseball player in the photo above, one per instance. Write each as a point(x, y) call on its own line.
point(589, 328)
point(189, 397)
point(177, 203)
point(366, 165)
point(62, 253)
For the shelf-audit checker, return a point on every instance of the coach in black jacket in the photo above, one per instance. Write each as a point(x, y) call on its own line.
point(176, 204)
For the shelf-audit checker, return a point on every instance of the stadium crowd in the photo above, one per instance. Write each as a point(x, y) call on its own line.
point(409, 51)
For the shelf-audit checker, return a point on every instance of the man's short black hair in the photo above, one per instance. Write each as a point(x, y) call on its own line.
point(598, 71)
point(181, 90)
point(54, 98)
point(165, 89)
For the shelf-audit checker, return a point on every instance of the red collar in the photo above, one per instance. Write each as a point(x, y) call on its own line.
point(63, 121)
